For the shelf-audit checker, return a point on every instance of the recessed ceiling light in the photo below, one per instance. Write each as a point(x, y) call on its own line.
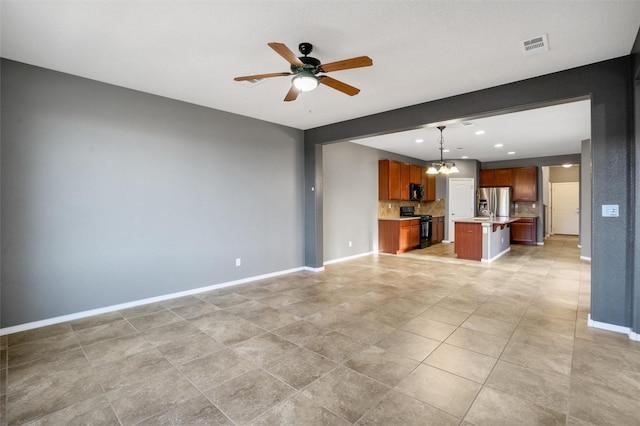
point(419, 140)
point(446, 150)
point(498, 145)
point(511, 152)
point(467, 123)
point(480, 132)
point(464, 157)
point(566, 166)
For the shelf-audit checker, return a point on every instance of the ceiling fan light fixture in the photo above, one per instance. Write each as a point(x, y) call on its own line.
point(305, 82)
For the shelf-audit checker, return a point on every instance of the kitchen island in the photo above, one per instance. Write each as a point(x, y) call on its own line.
point(482, 238)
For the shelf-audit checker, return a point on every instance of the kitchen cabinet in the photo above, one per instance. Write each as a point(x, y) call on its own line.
point(496, 177)
point(437, 227)
point(523, 180)
point(389, 180)
point(524, 231)
point(429, 183)
point(487, 177)
point(468, 241)
point(394, 178)
point(398, 236)
point(415, 174)
point(503, 177)
point(525, 184)
point(405, 180)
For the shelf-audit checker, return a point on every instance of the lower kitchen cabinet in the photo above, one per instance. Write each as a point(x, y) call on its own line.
point(524, 231)
point(468, 241)
point(437, 229)
point(398, 236)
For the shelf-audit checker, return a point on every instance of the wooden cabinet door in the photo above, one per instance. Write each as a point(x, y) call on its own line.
point(415, 233)
point(438, 229)
point(415, 175)
point(525, 184)
point(405, 237)
point(468, 241)
point(524, 231)
point(405, 180)
point(487, 178)
point(429, 183)
point(388, 180)
point(503, 177)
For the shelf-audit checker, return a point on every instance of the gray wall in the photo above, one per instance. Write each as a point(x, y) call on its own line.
point(111, 195)
point(350, 201)
point(608, 85)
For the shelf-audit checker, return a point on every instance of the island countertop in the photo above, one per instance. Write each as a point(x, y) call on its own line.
point(481, 220)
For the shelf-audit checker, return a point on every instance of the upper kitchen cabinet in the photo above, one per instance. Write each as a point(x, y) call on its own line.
point(415, 174)
point(429, 183)
point(496, 177)
point(389, 180)
point(525, 184)
point(503, 177)
point(487, 178)
point(405, 180)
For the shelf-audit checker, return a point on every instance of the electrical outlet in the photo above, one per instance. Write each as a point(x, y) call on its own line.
point(238, 262)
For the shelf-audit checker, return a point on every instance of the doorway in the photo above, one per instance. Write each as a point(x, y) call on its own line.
point(461, 196)
point(565, 208)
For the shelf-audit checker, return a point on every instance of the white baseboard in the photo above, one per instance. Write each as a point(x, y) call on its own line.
point(497, 256)
point(615, 328)
point(343, 259)
point(107, 309)
point(539, 243)
point(588, 259)
point(310, 269)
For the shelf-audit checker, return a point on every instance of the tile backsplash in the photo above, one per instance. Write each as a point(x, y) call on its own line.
point(391, 209)
point(526, 208)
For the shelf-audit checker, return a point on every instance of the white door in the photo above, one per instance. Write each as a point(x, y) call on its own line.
point(565, 208)
point(461, 195)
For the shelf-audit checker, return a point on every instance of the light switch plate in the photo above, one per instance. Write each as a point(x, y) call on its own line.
point(610, 210)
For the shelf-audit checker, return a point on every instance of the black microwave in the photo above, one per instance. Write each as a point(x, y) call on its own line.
point(416, 192)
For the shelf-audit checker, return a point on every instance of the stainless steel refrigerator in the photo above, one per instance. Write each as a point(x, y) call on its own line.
point(496, 200)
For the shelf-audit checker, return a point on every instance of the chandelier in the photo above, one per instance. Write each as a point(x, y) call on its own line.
point(443, 167)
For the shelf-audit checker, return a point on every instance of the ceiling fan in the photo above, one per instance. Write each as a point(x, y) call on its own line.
point(305, 70)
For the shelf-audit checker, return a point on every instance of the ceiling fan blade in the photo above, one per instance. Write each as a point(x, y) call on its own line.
point(287, 54)
point(261, 76)
point(360, 61)
point(338, 85)
point(292, 94)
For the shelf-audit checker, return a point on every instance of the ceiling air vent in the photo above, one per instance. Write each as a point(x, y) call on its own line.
point(534, 45)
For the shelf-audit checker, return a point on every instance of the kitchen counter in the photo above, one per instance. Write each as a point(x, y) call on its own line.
point(399, 218)
point(488, 221)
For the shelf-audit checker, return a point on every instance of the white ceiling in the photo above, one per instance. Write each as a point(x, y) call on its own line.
point(192, 50)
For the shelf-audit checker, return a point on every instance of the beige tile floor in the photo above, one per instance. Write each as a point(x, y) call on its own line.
point(415, 339)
